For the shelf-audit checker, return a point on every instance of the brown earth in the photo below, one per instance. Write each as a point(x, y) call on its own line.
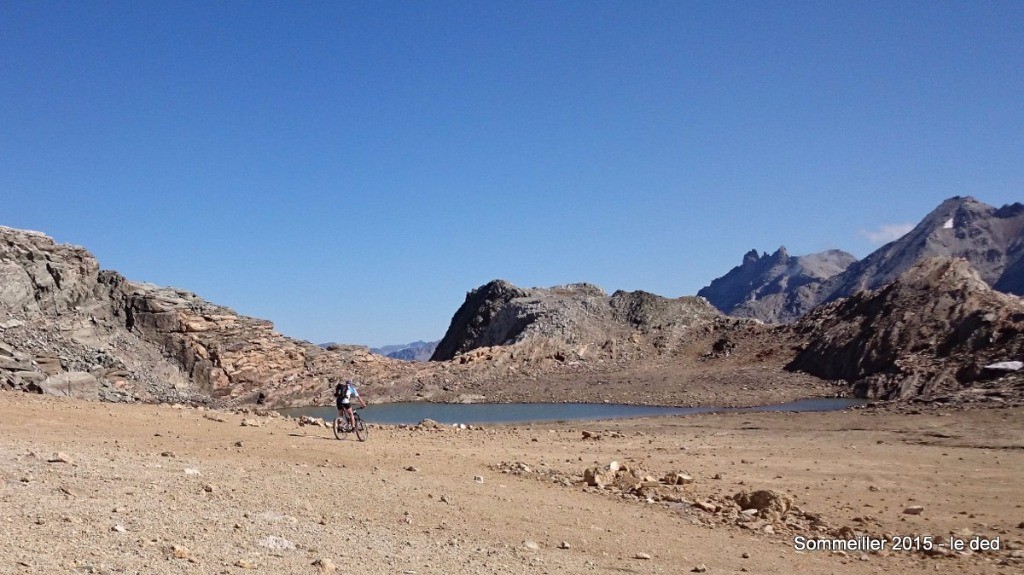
point(162, 489)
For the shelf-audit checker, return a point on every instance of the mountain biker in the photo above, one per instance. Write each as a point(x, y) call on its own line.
point(343, 394)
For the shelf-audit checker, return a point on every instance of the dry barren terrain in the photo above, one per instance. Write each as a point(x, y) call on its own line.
point(107, 488)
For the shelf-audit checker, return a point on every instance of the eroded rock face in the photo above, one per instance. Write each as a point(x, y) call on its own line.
point(929, 333)
point(564, 322)
point(68, 328)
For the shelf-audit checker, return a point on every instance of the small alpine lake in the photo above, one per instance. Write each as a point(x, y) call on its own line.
point(478, 413)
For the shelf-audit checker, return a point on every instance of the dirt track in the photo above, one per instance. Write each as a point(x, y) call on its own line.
point(407, 500)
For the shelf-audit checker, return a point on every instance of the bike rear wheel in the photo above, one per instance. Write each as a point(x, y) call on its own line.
point(361, 432)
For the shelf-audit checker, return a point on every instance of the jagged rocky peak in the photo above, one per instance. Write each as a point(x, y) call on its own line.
point(774, 287)
point(781, 289)
point(932, 331)
point(569, 318)
point(959, 227)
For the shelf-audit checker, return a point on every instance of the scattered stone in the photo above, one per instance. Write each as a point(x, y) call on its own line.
point(250, 422)
point(168, 454)
point(531, 545)
point(563, 545)
point(699, 569)
point(478, 478)
point(245, 564)
point(677, 478)
point(767, 502)
point(411, 468)
point(591, 435)
point(239, 444)
point(191, 471)
point(118, 528)
point(275, 543)
point(209, 488)
point(71, 491)
point(179, 552)
point(707, 506)
point(643, 556)
point(324, 565)
point(60, 457)
point(914, 510)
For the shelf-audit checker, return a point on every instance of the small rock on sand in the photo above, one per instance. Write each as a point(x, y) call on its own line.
point(324, 565)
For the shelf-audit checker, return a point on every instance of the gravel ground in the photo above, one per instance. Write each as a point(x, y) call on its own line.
point(103, 488)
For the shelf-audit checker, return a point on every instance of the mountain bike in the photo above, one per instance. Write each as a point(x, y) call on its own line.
point(358, 426)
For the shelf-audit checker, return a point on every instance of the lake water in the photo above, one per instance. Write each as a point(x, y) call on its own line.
point(477, 413)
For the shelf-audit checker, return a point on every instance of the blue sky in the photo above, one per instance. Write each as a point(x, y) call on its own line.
point(350, 170)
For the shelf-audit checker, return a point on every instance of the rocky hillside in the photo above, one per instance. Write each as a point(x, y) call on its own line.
point(775, 288)
point(781, 289)
point(579, 320)
point(69, 328)
point(936, 331)
point(66, 327)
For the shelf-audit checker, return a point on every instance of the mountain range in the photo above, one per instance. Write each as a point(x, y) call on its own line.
point(917, 318)
point(780, 288)
point(415, 351)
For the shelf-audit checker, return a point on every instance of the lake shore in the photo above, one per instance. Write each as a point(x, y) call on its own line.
point(180, 490)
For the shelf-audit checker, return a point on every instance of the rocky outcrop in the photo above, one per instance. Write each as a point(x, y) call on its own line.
point(930, 333)
point(68, 328)
point(775, 288)
point(571, 321)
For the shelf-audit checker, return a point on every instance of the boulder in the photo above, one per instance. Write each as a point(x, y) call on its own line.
point(768, 503)
point(77, 384)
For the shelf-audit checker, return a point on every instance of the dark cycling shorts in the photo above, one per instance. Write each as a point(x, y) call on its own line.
point(343, 405)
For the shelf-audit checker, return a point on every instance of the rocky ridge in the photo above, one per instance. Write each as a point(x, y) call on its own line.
point(576, 321)
point(929, 334)
point(782, 288)
point(775, 288)
point(70, 328)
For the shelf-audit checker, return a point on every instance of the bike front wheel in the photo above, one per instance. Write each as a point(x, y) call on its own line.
point(361, 431)
point(338, 428)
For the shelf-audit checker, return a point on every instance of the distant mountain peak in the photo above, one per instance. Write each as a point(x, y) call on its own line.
point(778, 289)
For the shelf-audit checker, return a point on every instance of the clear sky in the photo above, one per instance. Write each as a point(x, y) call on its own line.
point(350, 170)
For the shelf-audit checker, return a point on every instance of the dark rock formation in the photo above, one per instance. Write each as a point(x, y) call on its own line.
point(929, 333)
point(476, 323)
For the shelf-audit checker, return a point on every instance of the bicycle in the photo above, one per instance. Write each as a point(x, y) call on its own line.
point(358, 426)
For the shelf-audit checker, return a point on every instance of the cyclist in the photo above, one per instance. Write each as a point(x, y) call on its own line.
point(343, 394)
